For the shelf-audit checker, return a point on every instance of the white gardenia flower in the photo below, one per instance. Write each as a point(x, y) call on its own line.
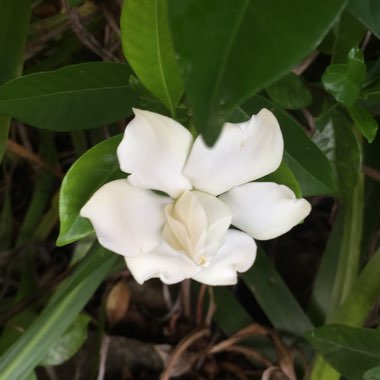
point(186, 232)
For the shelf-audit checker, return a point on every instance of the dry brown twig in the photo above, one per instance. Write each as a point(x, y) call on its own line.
point(21, 151)
point(84, 35)
point(180, 350)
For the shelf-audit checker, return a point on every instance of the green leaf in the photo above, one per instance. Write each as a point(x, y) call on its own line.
point(149, 49)
point(364, 121)
point(44, 185)
point(93, 169)
point(284, 176)
point(14, 328)
point(230, 323)
point(69, 343)
point(347, 155)
point(32, 376)
point(290, 92)
point(72, 98)
point(275, 298)
point(362, 296)
point(228, 50)
point(350, 350)
point(368, 12)
point(25, 354)
point(344, 81)
point(14, 25)
point(310, 167)
point(321, 298)
point(349, 34)
point(372, 374)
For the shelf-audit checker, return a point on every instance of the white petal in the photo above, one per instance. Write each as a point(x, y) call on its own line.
point(237, 254)
point(127, 220)
point(265, 210)
point(154, 150)
point(218, 214)
point(243, 153)
point(196, 225)
point(163, 262)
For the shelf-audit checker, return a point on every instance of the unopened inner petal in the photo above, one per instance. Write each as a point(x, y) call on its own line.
point(196, 224)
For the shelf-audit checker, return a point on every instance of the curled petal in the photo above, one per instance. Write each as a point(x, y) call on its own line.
point(196, 225)
point(127, 220)
point(186, 225)
point(237, 254)
point(163, 262)
point(218, 216)
point(154, 150)
point(265, 210)
point(243, 153)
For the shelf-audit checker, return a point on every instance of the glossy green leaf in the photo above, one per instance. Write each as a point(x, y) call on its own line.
point(372, 374)
point(364, 121)
point(344, 81)
point(349, 34)
point(368, 12)
point(324, 137)
point(93, 169)
point(275, 298)
point(149, 49)
point(284, 176)
point(350, 350)
point(310, 167)
point(290, 92)
point(25, 353)
point(72, 98)
point(69, 343)
point(228, 50)
point(14, 25)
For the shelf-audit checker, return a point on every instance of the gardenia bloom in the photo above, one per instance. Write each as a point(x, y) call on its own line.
point(182, 230)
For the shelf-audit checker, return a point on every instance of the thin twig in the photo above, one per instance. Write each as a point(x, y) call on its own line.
point(186, 297)
point(211, 307)
point(199, 310)
point(366, 40)
point(84, 35)
point(302, 67)
point(255, 355)
point(267, 374)
point(370, 172)
point(246, 332)
point(103, 357)
point(110, 18)
point(180, 349)
point(21, 151)
point(310, 120)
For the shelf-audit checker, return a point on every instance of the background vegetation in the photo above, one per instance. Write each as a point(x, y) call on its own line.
point(70, 73)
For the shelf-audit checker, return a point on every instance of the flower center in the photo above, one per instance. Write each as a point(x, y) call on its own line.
point(196, 224)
